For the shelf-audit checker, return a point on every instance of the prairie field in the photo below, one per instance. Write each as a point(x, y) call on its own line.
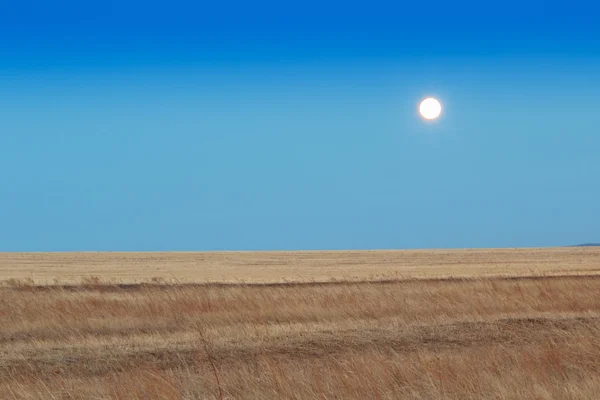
point(430, 324)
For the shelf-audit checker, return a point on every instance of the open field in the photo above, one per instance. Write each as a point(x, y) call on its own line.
point(516, 324)
point(320, 266)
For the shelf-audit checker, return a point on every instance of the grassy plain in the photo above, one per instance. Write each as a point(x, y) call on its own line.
point(320, 266)
point(443, 324)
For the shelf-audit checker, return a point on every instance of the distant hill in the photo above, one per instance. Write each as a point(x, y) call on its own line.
point(587, 245)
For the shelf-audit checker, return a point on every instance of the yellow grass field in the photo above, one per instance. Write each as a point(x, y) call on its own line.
point(439, 324)
point(319, 266)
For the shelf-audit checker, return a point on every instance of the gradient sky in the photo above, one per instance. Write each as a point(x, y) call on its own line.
point(135, 125)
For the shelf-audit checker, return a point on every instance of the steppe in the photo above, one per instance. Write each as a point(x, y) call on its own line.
point(426, 324)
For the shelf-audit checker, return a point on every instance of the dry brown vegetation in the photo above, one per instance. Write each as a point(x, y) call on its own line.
point(260, 267)
point(533, 335)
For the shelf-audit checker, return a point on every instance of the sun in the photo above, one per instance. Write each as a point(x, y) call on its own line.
point(430, 108)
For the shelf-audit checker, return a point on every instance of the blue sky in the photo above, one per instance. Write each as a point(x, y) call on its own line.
point(267, 125)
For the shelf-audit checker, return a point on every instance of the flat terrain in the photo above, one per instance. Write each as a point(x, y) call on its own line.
point(320, 266)
point(460, 324)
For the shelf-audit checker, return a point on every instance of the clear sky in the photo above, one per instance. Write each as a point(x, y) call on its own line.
point(135, 125)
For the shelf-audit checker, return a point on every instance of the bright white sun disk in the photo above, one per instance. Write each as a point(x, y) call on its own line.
point(430, 108)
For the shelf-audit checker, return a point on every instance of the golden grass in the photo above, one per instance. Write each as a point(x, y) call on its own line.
point(535, 335)
point(321, 266)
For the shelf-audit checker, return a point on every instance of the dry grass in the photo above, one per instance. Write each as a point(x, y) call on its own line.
point(320, 266)
point(526, 337)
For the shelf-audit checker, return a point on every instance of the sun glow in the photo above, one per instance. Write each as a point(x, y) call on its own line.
point(430, 108)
